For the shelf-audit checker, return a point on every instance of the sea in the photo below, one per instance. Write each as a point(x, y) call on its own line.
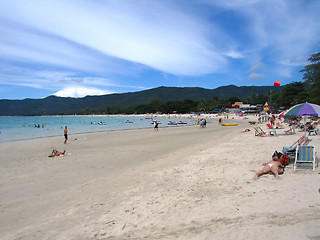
point(22, 128)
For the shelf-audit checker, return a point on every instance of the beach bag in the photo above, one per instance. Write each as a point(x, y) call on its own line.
point(284, 160)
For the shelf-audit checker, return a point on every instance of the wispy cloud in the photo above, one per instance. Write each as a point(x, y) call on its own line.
point(256, 67)
point(151, 33)
point(256, 76)
point(287, 29)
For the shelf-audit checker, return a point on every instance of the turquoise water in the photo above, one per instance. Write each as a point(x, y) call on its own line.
point(22, 128)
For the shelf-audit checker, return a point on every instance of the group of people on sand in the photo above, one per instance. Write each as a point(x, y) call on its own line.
point(310, 126)
point(202, 122)
point(274, 166)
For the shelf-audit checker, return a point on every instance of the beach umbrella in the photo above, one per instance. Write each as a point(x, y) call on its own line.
point(303, 109)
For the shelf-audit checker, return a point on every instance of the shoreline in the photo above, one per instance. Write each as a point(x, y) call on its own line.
point(107, 130)
point(102, 131)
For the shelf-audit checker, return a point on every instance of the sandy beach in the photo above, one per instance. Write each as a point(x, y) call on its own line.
point(177, 183)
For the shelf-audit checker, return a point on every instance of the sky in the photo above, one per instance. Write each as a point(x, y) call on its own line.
point(76, 48)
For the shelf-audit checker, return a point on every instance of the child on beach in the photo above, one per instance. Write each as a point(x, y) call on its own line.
point(272, 166)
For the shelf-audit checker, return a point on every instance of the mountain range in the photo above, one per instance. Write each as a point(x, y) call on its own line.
point(59, 105)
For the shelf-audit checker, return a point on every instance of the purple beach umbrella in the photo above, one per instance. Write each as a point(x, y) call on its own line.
point(303, 109)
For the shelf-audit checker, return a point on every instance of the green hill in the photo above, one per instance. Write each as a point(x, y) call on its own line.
point(58, 105)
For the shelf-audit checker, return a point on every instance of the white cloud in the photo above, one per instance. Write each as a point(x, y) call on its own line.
point(256, 76)
point(76, 92)
point(52, 80)
point(234, 54)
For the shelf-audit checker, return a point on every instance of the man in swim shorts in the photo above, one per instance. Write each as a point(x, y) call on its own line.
point(65, 135)
point(155, 125)
point(272, 166)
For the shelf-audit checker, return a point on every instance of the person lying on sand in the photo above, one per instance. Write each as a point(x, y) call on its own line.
point(56, 153)
point(246, 130)
point(270, 167)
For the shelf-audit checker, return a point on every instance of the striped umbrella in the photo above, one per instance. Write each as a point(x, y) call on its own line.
point(303, 109)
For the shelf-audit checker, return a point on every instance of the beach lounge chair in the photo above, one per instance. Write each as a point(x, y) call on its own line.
point(312, 130)
point(290, 131)
point(293, 146)
point(305, 155)
point(291, 150)
point(259, 132)
point(306, 142)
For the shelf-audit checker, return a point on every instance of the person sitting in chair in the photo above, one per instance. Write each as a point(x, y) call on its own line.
point(312, 128)
point(270, 167)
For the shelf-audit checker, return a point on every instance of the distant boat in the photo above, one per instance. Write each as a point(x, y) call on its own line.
point(99, 123)
point(182, 122)
point(128, 121)
point(172, 123)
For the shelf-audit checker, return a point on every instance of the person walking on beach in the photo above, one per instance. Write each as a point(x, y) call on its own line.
point(155, 125)
point(272, 166)
point(65, 135)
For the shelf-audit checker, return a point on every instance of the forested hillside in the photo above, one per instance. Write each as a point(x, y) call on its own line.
point(117, 103)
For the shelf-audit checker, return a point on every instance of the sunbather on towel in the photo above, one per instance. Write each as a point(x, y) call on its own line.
point(246, 130)
point(56, 153)
point(272, 166)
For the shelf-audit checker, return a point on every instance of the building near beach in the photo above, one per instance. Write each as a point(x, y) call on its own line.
point(247, 108)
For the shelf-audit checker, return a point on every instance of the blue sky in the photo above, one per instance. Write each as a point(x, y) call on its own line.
point(92, 47)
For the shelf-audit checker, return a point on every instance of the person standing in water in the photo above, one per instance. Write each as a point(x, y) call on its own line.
point(65, 135)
